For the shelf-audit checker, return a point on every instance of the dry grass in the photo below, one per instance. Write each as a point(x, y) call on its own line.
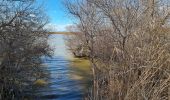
point(129, 50)
point(142, 73)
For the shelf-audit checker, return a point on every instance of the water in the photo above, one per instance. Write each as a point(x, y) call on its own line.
point(67, 80)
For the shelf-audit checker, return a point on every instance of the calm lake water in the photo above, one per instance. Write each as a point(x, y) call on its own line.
point(68, 78)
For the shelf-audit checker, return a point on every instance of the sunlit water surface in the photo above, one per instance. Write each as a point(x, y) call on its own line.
point(68, 78)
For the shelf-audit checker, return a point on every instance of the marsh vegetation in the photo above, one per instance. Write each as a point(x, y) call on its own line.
point(127, 42)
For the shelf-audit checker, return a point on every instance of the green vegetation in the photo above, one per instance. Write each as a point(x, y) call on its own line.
point(81, 64)
point(40, 82)
point(81, 68)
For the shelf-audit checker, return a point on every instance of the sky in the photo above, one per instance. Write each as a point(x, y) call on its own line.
point(57, 15)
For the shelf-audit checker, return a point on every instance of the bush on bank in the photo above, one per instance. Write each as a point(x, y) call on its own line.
point(128, 44)
point(23, 41)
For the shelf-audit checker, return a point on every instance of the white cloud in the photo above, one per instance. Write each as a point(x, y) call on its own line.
point(32, 15)
point(54, 27)
point(51, 27)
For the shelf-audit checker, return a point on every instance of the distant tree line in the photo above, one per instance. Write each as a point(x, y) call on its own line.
point(128, 44)
point(23, 41)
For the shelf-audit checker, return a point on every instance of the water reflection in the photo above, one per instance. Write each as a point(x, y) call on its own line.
point(68, 78)
point(57, 42)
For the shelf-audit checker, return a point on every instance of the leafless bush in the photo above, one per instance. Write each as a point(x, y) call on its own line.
point(22, 42)
point(76, 42)
point(129, 45)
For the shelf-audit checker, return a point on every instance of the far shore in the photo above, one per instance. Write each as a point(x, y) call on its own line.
point(65, 33)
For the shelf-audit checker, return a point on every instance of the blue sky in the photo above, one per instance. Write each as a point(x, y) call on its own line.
point(58, 17)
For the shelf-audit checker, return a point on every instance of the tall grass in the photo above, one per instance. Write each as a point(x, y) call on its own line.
point(140, 72)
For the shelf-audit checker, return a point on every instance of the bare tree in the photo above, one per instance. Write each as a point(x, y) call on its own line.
point(22, 42)
point(128, 44)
